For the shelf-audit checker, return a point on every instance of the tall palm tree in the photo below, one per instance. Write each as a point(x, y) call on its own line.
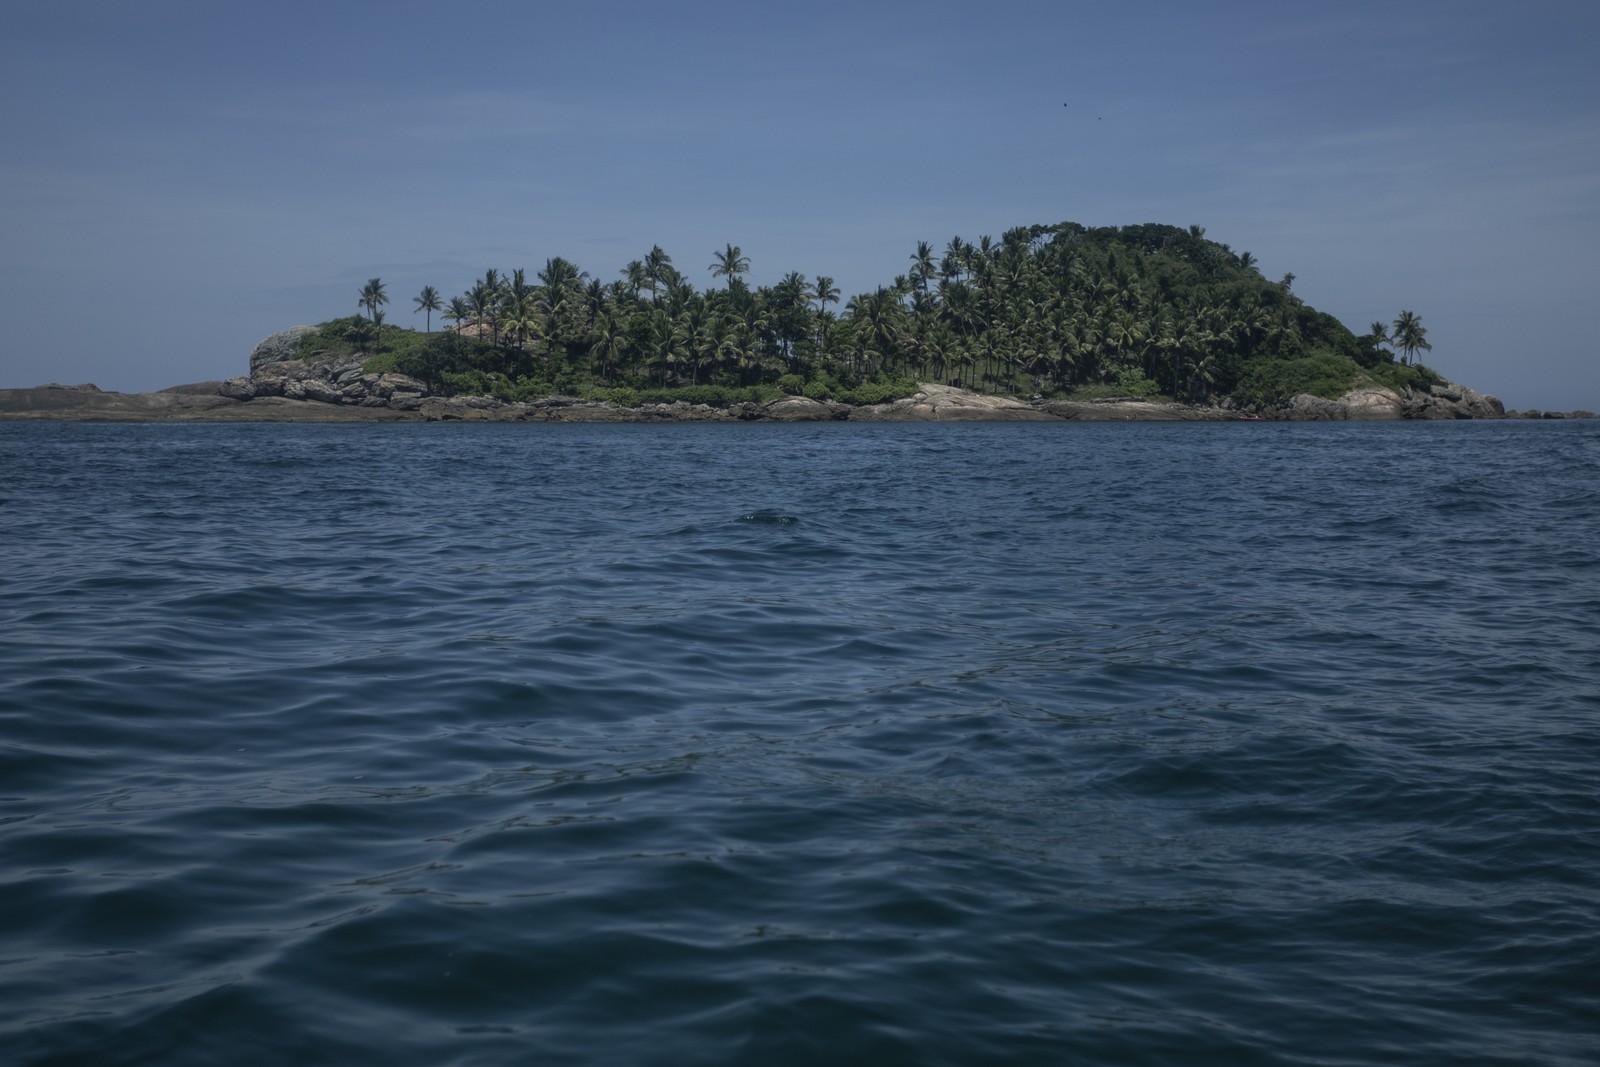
point(373, 294)
point(458, 312)
point(636, 276)
point(607, 342)
point(657, 264)
point(729, 263)
point(922, 265)
point(824, 292)
point(373, 297)
point(1410, 335)
point(428, 300)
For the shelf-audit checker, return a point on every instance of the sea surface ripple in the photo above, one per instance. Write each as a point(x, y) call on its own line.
point(788, 744)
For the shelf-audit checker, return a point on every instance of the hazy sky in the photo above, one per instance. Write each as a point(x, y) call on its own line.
point(179, 179)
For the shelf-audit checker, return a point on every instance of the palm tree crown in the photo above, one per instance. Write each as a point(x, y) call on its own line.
point(729, 263)
point(1410, 336)
point(428, 300)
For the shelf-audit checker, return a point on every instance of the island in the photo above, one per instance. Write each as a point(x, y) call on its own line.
point(1050, 322)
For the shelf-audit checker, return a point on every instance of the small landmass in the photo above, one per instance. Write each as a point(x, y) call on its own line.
point(1134, 323)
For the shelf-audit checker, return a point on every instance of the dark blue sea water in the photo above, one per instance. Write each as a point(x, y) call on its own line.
point(764, 744)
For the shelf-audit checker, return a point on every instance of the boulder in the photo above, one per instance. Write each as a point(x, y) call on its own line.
point(317, 389)
point(278, 347)
point(388, 386)
point(237, 389)
point(1372, 402)
point(801, 409)
point(1447, 400)
point(947, 403)
point(1309, 408)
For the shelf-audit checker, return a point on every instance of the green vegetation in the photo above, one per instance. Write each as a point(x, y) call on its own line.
point(1063, 311)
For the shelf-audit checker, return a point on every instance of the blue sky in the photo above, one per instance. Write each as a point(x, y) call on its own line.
point(179, 179)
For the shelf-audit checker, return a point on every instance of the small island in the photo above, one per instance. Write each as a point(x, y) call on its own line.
point(1049, 322)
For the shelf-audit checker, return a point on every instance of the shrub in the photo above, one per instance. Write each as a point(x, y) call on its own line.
point(1276, 381)
point(1398, 376)
point(1132, 382)
point(878, 392)
point(621, 395)
point(464, 383)
point(792, 384)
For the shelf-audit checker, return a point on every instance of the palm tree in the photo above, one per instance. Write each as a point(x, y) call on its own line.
point(458, 312)
point(428, 300)
point(1410, 336)
point(636, 276)
point(729, 263)
point(657, 265)
point(1380, 334)
point(373, 297)
point(607, 342)
point(824, 292)
point(372, 294)
point(922, 265)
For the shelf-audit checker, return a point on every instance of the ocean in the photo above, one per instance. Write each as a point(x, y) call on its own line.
point(1237, 743)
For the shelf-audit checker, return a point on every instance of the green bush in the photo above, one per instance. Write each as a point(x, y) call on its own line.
point(821, 387)
point(1276, 381)
point(621, 395)
point(1397, 376)
point(792, 384)
point(1132, 382)
point(878, 392)
point(464, 383)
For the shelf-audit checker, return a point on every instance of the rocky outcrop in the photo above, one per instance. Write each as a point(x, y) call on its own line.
point(277, 369)
point(1447, 400)
point(1131, 409)
point(1443, 400)
point(278, 347)
point(944, 403)
point(799, 409)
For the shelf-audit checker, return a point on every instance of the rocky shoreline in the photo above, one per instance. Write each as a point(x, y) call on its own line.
point(289, 390)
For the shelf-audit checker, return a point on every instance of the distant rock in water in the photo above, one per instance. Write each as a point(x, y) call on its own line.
point(769, 518)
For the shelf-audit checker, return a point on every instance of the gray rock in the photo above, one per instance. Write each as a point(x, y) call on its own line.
point(391, 385)
point(278, 347)
point(237, 389)
point(946, 403)
point(801, 409)
point(1447, 400)
point(1372, 402)
point(317, 389)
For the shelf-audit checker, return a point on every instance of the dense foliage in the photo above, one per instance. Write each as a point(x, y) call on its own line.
point(1058, 310)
